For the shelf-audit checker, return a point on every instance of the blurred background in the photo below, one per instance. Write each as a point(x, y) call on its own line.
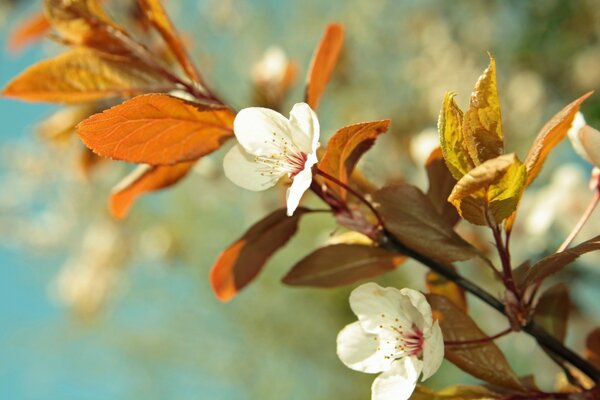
point(92, 308)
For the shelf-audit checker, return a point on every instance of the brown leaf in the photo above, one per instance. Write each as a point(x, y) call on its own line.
point(341, 264)
point(441, 183)
point(323, 62)
point(241, 262)
point(482, 124)
point(551, 134)
point(144, 179)
point(411, 218)
point(455, 392)
point(552, 311)
point(82, 75)
point(437, 284)
point(157, 129)
point(554, 263)
point(484, 361)
point(592, 347)
point(155, 13)
point(84, 22)
point(345, 148)
point(30, 30)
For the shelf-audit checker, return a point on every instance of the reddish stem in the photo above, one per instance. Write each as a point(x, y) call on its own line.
point(355, 193)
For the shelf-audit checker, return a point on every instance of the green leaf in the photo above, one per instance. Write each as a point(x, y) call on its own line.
point(552, 310)
point(495, 186)
point(484, 361)
point(450, 127)
point(482, 125)
point(341, 264)
point(411, 218)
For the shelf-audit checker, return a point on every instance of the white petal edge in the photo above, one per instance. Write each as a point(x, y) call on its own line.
point(358, 350)
point(590, 141)
point(419, 301)
point(305, 128)
point(433, 351)
point(254, 128)
point(376, 306)
point(573, 133)
point(300, 184)
point(241, 169)
point(399, 382)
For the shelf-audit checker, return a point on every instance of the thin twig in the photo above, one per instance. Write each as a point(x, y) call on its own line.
point(584, 218)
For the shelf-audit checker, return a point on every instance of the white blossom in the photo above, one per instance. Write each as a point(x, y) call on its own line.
point(395, 334)
point(585, 140)
point(270, 147)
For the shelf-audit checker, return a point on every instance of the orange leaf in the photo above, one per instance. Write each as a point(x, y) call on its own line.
point(347, 145)
point(30, 30)
point(551, 134)
point(84, 22)
point(241, 262)
point(157, 129)
point(82, 75)
point(323, 62)
point(142, 180)
point(157, 16)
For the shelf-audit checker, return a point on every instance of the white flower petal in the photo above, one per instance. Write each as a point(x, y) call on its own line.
point(399, 382)
point(242, 170)
point(305, 127)
point(433, 351)
point(376, 307)
point(261, 131)
point(300, 184)
point(573, 133)
point(418, 300)
point(358, 350)
point(590, 141)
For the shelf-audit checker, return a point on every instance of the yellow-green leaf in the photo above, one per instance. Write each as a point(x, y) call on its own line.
point(450, 126)
point(482, 124)
point(82, 75)
point(494, 187)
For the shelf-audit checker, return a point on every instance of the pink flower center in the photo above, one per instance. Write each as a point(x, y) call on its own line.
point(287, 158)
point(395, 342)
